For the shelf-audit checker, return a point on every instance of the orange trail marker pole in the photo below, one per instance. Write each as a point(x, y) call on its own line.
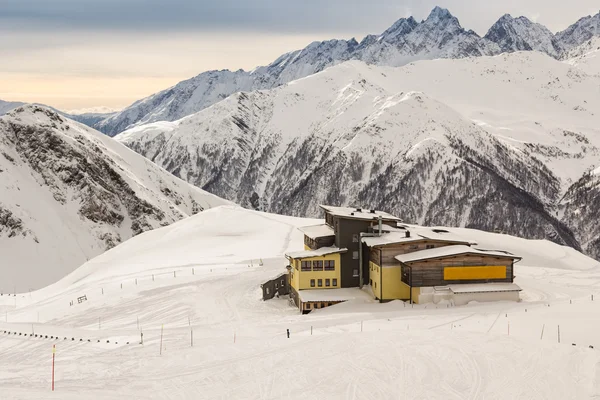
point(53, 355)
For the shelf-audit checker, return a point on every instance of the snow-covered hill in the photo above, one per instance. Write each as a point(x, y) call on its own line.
point(68, 193)
point(438, 36)
point(491, 142)
point(198, 282)
point(586, 57)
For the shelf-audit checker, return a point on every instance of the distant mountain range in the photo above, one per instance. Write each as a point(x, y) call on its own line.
point(438, 36)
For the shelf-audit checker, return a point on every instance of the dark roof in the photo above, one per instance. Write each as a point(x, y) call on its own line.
point(359, 213)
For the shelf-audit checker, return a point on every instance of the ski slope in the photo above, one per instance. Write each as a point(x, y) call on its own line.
point(203, 274)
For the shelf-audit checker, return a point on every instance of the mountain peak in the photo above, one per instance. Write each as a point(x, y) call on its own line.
point(400, 28)
point(439, 13)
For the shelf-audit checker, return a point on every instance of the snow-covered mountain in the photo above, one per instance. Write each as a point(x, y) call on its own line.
point(68, 193)
point(438, 36)
point(492, 143)
point(520, 34)
point(6, 106)
point(93, 110)
point(580, 32)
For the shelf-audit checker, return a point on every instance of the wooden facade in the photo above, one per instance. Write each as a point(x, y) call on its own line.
point(317, 243)
point(386, 254)
point(460, 269)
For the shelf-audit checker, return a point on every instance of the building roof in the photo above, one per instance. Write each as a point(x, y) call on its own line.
point(440, 234)
point(323, 251)
point(449, 251)
point(317, 231)
point(484, 288)
point(343, 294)
point(353, 213)
point(416, 235)
point(391, 238)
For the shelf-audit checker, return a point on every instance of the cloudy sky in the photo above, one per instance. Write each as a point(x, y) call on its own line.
point(84, 53)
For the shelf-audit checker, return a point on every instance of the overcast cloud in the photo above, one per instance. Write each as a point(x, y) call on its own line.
point(168, 40)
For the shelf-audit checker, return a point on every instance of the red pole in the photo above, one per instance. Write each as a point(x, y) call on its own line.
point(53, 354)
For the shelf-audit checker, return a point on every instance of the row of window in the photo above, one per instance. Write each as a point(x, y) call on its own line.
point(317, 265)
point(319, 282)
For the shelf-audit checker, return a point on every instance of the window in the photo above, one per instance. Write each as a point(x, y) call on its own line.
point(312, 283)
point(276, 286)
point(267, 290)
point(327, 282)
point(375, 285)
point(334, 282)
point(317, 265)
point(355, 255)
point(371, 282)
point(355, 237)
point(355, 273)
point(305, 266)
point(429, 246)
point(320, 282)
point(329, 265)
point(413, 247)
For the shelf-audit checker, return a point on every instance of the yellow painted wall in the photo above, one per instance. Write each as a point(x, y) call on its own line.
point(393, 287)
point(416, 292)
point(301, 279)
point(474, 273)
point(307, 248)
point(374, 279)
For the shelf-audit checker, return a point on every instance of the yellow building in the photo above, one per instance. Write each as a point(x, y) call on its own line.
point(314, 270)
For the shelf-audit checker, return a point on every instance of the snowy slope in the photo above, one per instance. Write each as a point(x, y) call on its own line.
point(379, 351)
point(586, 57)
point(520, 34)
point(492, 143)
point(440, 35)
point(68, 193)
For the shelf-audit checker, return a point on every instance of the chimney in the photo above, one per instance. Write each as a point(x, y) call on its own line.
point(407, 234)
point(351, 213)
point(372, 211)
point(359, 209)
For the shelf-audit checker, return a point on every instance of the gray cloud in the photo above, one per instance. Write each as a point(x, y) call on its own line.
point(344, 16)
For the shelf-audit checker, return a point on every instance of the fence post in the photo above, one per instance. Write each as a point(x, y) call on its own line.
point(542, 336)
point(161, 337)
point(53, 355)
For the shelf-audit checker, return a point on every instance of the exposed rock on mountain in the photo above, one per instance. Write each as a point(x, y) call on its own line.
point(580, 32)
point(497, 153)
point(68, 193)
point(520, 34)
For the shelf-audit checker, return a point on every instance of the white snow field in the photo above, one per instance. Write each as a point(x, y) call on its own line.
point(204, 274)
